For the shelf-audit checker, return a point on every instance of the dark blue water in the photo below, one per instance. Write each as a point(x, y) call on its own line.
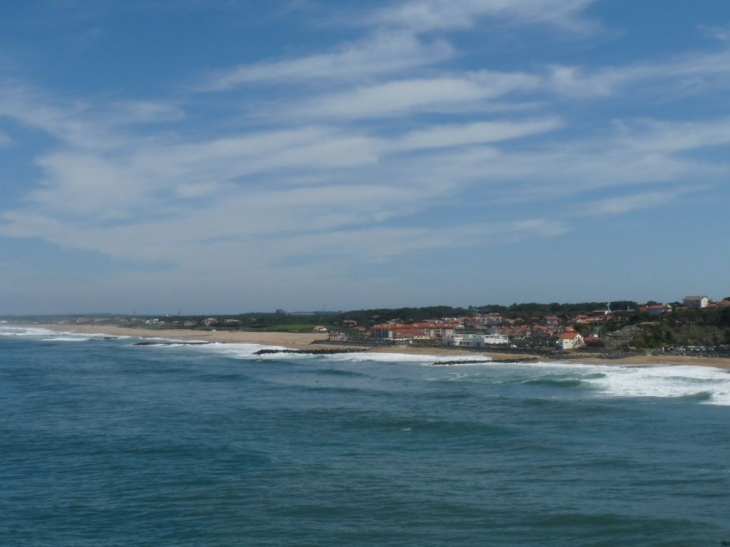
point(107, 443)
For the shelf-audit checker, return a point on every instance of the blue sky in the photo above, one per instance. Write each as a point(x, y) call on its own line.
point(233, 155)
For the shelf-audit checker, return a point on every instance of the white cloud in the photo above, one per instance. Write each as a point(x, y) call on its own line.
point(348, 170)
point(565, 170)
point(29, 108)
point(399, 48)
point(322, 178)
point(671, 137)
point(718, 33)
point(264, 233)
point(445, 136)
point(139, 112)
point(423, 15)
point(396, 98)
point(688, 73)
point(143, 177)
point(627, 204)
point(174, 196)
point(380, 55)
point(382, 243)
point(81, 125)
point(89, 186)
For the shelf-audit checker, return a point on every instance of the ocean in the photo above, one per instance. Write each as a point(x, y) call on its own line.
point(103, 442)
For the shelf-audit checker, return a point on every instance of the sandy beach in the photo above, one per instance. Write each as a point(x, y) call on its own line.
point(651, 360)
point(287, 340)
point(306, 341)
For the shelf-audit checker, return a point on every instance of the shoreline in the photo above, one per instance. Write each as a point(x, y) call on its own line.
point(308, 341)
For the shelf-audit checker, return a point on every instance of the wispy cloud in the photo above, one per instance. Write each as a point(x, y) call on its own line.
point(382, 243)
point(633, 202)
point(697, 71)
point(365, 150)
point(31, 109)
point(446, 136)
point(155, 201)
point(83, 125)
point(668, 137)
point(141, 112)
point(379, 55)
point(261, 183)
point(395, 45)
point(425, 15)
point(716, 32)
point(402, 97)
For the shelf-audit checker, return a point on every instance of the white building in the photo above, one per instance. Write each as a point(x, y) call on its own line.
point(571, 340)
point(656, 309)
point(474, 340)
point(696, 301)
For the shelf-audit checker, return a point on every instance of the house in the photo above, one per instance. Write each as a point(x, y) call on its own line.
point(516, 332)
point(412, 331)
point(550, 321)
point(656, 309)
point(474, 340)
point(570, 340)
point(698, 302)
point(398, 332)
point(492, 319)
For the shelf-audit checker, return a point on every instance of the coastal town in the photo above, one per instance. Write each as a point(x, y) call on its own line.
point(495, 330)
point(695, 325)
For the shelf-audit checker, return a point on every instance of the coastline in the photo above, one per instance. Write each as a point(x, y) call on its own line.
point(308, 341)
point(284, 340)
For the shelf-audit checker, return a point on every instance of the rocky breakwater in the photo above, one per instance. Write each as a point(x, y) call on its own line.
point(485, 361)
point(325, 351)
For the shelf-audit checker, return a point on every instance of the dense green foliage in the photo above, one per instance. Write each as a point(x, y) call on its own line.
point(407, 315)
point(532, 309)
point(693, 327)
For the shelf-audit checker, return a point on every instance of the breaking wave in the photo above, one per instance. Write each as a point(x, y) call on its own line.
point(47, 335)
point(705, 385)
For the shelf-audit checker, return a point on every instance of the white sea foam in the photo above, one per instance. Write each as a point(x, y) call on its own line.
point(160, 340)
point(25, 331)
point(398, 358)
point(708, 385)
point(66, 339)
point(705, 384)
point(245, 351)
point(47, 335)
point(248, 351)
point(665, 381)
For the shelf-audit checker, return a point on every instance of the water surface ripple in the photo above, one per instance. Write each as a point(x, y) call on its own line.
point(107, 443)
